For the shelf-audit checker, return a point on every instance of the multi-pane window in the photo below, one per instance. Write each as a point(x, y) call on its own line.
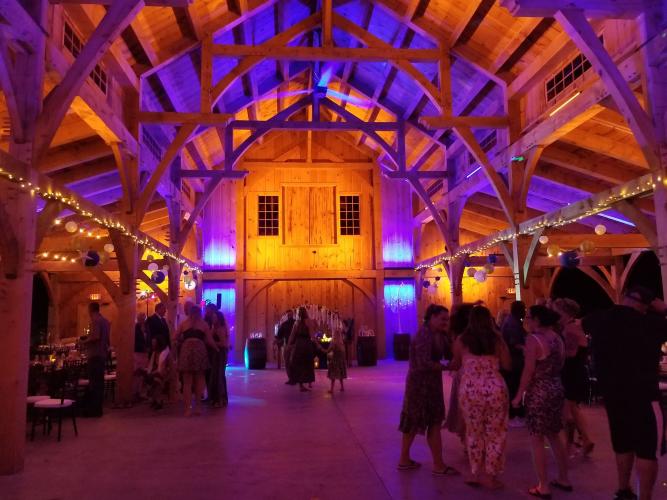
point(567, 76)
point(151, 144)
point(267, 215)
point(349, 215)
point(72, 42)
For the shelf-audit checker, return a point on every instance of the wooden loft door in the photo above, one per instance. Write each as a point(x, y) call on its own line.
point(310, 215)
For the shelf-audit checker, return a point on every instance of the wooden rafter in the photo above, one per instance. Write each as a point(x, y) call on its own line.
point(56, 103)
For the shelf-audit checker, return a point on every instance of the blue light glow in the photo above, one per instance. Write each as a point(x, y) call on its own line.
point(219, 255)
point(400, 310)
point(617, 219)
point(397, 252)
point(227, 293)
point(473, 172)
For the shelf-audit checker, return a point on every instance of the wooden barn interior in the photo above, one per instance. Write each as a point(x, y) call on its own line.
point(366, 157)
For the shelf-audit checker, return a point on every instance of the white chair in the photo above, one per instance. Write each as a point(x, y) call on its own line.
point(57, 407)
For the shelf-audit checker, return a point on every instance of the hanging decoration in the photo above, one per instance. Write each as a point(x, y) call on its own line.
point(150, 258)
point(587, 247)
point(600, 229)
point(190, 285)
point(480, 276)
point(158, 277)
point(91, 259)
point(109, 248)
point(426, 283)
point(165, 268)
point(489, 268)
point(569, 259)
point(71, 227)
point(544, 239)
point(471, 272)
point(492, 259)
point(553, 250)
point(153, 266)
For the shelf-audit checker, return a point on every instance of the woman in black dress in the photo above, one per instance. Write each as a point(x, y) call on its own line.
point(574, 375)
point(424, 403)
point(302, 367)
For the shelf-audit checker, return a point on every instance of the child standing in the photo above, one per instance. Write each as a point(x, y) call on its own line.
point(336, 365)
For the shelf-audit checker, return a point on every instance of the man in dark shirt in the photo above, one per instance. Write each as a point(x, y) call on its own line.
point(515, 337)
point(283, 334)
point(157, 326)
point(626, 341)
point(96, 347)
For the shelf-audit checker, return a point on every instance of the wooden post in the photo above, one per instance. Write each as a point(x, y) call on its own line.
point(18, 210)
point(127, 252)
point(651, 23)
point(455, 272)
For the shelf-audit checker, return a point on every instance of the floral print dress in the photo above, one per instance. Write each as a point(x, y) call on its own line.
point(484, 402)
point(424, 402)
point(545, 396)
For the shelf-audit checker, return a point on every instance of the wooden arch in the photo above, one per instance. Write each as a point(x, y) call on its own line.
point(588, 271)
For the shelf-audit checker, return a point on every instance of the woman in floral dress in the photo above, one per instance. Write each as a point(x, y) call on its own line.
point(543, 395)
point(424, 403)
point(483, 396)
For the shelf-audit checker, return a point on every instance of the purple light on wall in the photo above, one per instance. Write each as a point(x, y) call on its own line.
point(397, 252)
point(219, 255)
point(223, 294)
point(400, 310)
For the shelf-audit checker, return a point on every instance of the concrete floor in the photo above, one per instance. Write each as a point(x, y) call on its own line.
point(273, 442)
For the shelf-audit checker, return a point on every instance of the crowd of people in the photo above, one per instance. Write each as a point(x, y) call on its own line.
point(300, 348)
point(193, 357)
point(532, 369)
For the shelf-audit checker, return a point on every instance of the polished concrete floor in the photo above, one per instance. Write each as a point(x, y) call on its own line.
point(273, 442)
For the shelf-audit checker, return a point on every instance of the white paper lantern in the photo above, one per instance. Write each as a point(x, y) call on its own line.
point(109, 248)
point(480, 276)
point(544, 239)
point(600, 229)
point(190, 285)
point(71, 227)
point(153, 266)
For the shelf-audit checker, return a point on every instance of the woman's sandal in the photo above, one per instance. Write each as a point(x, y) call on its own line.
point(447, 471)
point(535, 492)
point(563, 487)
point(411, 465)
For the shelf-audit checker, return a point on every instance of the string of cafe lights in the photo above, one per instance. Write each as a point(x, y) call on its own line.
point(543, 222)
point(73, 204)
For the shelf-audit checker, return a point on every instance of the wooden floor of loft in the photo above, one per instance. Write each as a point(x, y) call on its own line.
point(275, 442)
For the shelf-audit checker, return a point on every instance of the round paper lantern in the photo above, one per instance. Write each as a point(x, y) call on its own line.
point(480, 276)
point(108, 248)
point(92, 258)
point(190, 285)
point(544, 239)
point(600, 229)
point(153, 266)
point(158, 277)
point(439, 269)
point(489, 268)
point(553, 250)
point(569, 259)
point(165, 268)
point(437, 278)
point(71, 227)
point(586, 247)
point(471, 272)
point(492, 259)
point(185, 273)
point(149, 257)
point(426, 283)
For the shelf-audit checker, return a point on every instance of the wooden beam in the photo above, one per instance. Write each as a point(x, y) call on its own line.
point(590, 8)
point(299, 53)
point(174, 148)
point(586, 163)
point(149, 3)
point(576, 25)
point(327, 23)
point(72, 154)
point(8, 87)
point(91, 106)
point(466, 136)
point(119, 15)
point(213, 119)
point(16, 24)
point(441, 122)
point(258, 164)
